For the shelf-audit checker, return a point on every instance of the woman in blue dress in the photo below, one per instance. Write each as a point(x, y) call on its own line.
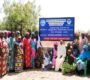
point(33, 45)
point(85, 55)
point(11, 43)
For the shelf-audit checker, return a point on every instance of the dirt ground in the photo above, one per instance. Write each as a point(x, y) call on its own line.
point(42, 75)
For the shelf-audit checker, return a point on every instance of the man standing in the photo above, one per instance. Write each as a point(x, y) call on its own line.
point(61, 54)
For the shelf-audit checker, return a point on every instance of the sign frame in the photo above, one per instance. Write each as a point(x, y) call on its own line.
point(59, 18)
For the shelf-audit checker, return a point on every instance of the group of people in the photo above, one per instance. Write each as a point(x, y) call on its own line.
point(26, 52)
point(76, 52)
point(21, 52)
point(79, 52)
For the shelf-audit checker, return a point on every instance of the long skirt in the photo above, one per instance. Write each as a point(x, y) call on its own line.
point(3, 61)
point(18, 59)
point(39, 58)
point(54, 62)
point(28, 62)
point(11, 60)
point(33, 57)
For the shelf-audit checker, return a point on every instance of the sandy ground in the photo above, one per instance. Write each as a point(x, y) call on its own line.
point(42, 75)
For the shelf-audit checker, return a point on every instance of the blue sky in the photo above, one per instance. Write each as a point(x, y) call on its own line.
point(80, 9)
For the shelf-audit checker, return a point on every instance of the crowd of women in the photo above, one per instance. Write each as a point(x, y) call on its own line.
point(21, 52)
point(26, 52)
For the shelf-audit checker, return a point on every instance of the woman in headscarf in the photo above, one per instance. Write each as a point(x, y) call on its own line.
point(11, 43)
point(83, 40)
point(61, 54)
point(18, 54)
point(6, 37)
point(33, 45)
point(71, 57)
point(89, 51)
point(39, 54)
point(54, 55)
point(3, 55)
point(81, 37)
point(82, 58)
point(88, 63)
point(76, 51)
point(27, 51)
point(72, 53)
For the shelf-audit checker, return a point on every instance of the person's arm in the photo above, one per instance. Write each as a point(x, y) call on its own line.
point(39, 41)
point(79, 57)
point(73, 57)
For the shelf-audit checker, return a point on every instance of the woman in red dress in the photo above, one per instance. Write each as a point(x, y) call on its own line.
point(3, 55)
point(27, 50)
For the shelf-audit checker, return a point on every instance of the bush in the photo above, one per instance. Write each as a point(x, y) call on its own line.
point(67, 68)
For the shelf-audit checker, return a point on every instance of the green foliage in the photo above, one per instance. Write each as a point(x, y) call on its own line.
point(67, 68)
point(21, 16)
point(2, 26)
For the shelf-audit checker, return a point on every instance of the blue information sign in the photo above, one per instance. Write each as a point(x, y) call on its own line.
point(52, 29)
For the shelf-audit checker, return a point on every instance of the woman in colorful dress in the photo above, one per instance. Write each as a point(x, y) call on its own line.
point(3, 55)
point(18, 55)
point(27, 51)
